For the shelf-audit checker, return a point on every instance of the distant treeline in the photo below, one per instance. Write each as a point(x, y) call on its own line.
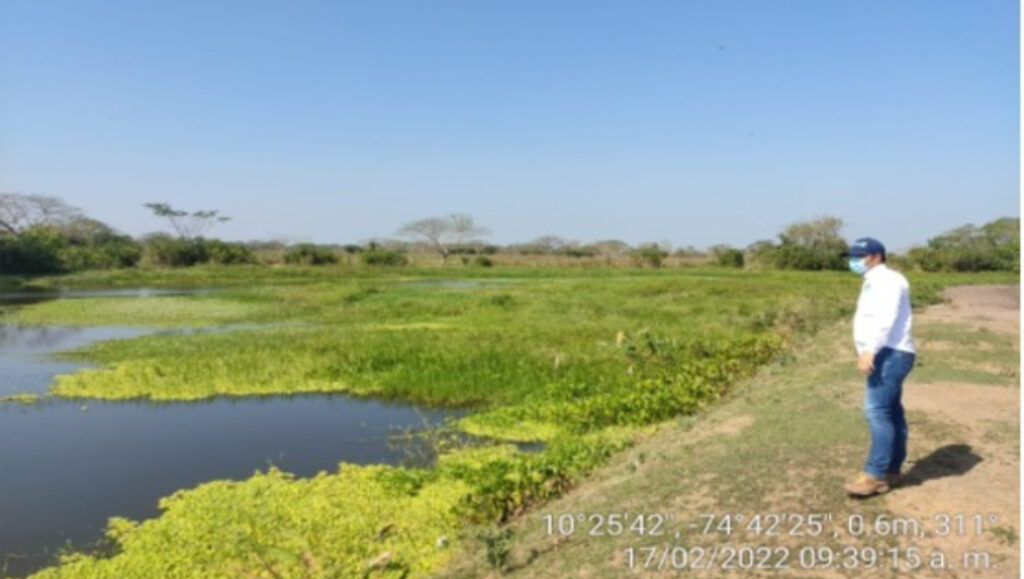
point(41, 234)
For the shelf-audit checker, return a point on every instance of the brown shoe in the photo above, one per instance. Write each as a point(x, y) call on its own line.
point(866, 485)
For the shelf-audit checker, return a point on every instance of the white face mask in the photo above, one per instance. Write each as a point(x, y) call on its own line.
point(858, 265)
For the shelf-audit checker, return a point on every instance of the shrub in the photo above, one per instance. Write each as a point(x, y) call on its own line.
point(91, 244)
point(114, 254)
point(377, 255)
point(162, 249)
point(804, 245)
point(994, 246)
point(225, 253)
point(483, 261)
point(169, 251)
point(925, 258)
point(790, 256)
point(730, 257)
point(580, 251)
point(649, 254)
point(80, 245)
point(310, 254)
point(35, 250)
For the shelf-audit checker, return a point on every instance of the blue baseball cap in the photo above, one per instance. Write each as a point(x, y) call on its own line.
point(865, 246)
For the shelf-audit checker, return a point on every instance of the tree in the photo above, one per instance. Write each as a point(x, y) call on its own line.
point(610, 249)
point(811, 245)
point(727, 255)
point(760, 253)
point(820, 232)
point(92, 244)
point(652, 254)
point(187, 225)
point(993, 234)
point(84, 229)
point(1005, 230)
point(688, 251)
point(43, 234)
point(551, 243)
point(19, 212)
point(34, 250)
point(993, 246)
point(442, 232)
point(464, 229)
point(375, 254)
point(310, 254)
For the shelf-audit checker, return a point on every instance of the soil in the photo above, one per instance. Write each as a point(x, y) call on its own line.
point(970, 464)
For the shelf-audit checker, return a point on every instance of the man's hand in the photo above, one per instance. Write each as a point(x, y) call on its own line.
point(866, 363)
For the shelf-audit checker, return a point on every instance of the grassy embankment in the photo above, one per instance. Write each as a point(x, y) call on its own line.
point(781, 446)
point(586, 360)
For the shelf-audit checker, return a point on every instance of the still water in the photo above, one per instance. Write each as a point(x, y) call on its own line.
point(68, 465)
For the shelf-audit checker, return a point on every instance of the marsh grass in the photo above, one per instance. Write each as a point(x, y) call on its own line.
point(168, 311)
point(969, 355)
point(584, 360)
point(794, 444)
point(24, 398)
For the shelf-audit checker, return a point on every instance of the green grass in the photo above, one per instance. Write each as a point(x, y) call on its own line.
point(169, 311)
point(969, 355)
point(956, 333)
point(792, 447)
point(583, 359)
point(784, 442)
point(247, 275)
point(562, 352)
point(273, 525)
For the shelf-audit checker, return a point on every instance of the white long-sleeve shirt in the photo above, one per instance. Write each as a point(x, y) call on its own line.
point(883, 316)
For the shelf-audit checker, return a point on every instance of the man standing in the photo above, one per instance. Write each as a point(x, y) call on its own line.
point(886, 352)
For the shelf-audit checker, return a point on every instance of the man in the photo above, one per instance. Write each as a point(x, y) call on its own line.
point(886, 352)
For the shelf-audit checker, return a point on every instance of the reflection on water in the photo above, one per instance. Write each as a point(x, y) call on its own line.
point(24, 365)
point(67, 466)
point(26, 362)
point(65, 470)
point(24, 297)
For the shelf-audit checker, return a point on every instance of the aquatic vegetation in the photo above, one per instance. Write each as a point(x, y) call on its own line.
point(343, 524)
point(24, 398)
point(166, 311)
point(379, 520)
point(583, 360)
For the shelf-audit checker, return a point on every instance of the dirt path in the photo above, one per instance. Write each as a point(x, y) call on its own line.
point(783, 444)
point(967, 461)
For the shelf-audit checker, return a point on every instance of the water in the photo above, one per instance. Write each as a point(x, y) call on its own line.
point(33, 296)
point(25, 365)
point(65, 470)
point(459, 283)
point(66, 466)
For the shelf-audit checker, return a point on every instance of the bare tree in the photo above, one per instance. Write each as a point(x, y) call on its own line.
point(464, 229)
point(187, 225)
point(433, 231)
point(552, 243)
point(19, 212)
point(822, 231)
point(442, 232)
point(610, 249)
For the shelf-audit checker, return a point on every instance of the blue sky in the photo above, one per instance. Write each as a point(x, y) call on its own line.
point(688, 121)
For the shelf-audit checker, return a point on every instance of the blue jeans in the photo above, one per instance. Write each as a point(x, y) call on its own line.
point(883, 408)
